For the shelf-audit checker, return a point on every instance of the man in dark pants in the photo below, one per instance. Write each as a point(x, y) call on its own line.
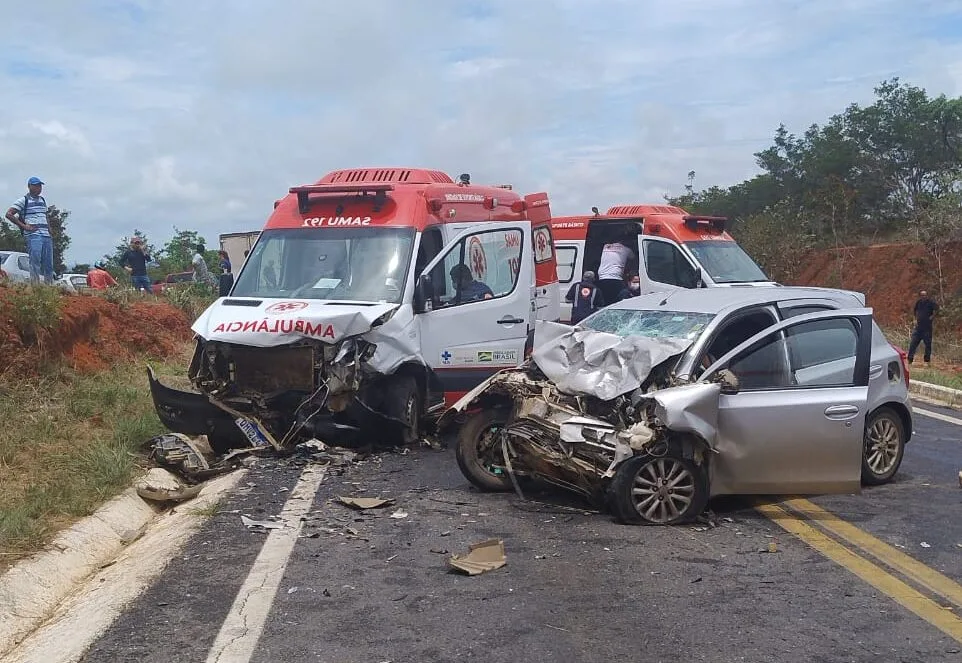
point(925, 310)
point(135, 261)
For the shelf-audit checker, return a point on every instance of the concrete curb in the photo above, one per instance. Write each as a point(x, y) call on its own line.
point(31, 591)
point(935, 392)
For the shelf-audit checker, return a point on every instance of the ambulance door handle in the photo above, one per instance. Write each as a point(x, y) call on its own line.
point(508, 320)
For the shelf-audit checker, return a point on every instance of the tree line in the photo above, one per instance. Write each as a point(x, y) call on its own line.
point(886, 171)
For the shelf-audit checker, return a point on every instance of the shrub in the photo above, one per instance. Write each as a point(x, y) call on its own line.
point(34, 310)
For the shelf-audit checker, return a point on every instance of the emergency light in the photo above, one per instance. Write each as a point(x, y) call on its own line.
point(303, 192)
point(716, 222)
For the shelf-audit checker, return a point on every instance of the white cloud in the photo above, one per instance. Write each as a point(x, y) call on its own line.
point(149, 114)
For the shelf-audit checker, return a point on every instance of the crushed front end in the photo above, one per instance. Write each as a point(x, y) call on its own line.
point(285, 380)
point(555, 420)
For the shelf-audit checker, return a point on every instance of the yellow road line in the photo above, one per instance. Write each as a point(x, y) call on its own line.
point(911, 568)
point(943, 619)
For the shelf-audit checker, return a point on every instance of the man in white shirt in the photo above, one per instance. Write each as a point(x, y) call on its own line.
point(201, 272)
point(611, 271)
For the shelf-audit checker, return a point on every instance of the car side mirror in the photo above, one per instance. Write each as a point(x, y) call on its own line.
point(699, 281)
point(728, 381)
point(424, 294)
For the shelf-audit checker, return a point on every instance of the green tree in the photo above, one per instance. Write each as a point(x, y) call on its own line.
point(863, 173)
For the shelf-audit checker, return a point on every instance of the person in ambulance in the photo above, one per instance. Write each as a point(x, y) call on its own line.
point(615, 257)
point(467, 286)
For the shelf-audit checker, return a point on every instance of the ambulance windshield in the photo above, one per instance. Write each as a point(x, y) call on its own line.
point(352, 264)
point(726, 262)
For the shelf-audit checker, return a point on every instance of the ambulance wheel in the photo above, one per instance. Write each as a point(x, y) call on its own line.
point(404, 404)
point(479, 451)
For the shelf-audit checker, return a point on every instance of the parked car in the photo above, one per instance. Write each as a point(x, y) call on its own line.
point(15, 265)
point(171, 280)
point(659, 402)
point(75, 283)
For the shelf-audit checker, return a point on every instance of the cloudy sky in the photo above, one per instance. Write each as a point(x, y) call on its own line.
point(162, 113)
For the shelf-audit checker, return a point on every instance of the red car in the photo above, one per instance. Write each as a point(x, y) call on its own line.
point(180, 277)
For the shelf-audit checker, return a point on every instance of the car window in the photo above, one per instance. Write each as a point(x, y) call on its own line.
point(735, 331)
point(823, 352)
point(664, 263)
point(818, 353)
point(482, 265)
point(23, 262)
point(796, 311)
point(567, 258)
point(764, 366)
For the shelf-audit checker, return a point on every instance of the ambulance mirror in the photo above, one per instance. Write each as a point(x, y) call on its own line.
point(424, 294)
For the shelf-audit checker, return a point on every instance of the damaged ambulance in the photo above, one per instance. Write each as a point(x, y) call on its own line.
point(370, 300)
point(660, 402)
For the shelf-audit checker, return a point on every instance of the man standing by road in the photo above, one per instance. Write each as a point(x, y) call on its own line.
point(135, 261)
point(32, 221)
point(925, 310)
point(201, 272)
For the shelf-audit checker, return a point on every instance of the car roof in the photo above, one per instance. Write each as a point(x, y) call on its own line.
point(716, 300)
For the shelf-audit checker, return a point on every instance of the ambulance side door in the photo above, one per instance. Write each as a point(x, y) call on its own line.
point(663, 266)
point(468, 333)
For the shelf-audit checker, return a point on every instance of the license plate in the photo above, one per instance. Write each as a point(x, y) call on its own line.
point(252, 432)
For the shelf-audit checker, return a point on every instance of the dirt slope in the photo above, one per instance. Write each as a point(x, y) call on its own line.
point(93, 334)
point(890, 275)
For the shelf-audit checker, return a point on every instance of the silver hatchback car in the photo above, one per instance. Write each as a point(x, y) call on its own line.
point(767, 390)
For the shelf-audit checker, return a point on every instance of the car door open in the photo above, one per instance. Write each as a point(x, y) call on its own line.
point(795, 422)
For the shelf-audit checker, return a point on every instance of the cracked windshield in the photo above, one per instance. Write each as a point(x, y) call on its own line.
point(652, 324)
point(354, 264)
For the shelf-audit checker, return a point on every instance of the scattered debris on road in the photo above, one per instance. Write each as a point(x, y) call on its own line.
point(399, 514)
point(482, 557)
point(159, 485)
point(364, 503)
point(261, 525)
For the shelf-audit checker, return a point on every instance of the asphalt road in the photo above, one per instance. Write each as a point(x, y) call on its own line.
point(366, 587)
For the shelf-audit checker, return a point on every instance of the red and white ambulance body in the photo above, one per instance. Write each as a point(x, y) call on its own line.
point(345, 316)
point(674, 249)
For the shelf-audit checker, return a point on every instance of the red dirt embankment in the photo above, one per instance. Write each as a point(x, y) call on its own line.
point(93, 334)
point(890, 275)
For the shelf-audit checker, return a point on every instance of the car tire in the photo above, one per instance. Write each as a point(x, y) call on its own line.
point(660, 504)
point(883, 446)
point(471, 436)
point(404, 404)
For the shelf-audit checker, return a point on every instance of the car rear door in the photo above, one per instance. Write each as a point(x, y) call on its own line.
point(795, 424)
point(466, 340)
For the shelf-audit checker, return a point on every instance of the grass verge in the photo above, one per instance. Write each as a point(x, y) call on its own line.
point(941, 377)
point(70, 442)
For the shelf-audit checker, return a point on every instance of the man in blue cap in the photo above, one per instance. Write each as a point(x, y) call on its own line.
point(30, 215)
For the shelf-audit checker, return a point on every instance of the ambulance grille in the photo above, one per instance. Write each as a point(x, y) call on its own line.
point(398, 175)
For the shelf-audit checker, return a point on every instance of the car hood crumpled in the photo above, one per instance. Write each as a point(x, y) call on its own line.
point(599, 364)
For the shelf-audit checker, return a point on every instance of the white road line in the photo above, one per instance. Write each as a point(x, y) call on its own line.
point(242, 629)
point(938, 415)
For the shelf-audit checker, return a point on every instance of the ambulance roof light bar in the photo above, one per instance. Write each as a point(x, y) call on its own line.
point(716, 222)
point(379, 190)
